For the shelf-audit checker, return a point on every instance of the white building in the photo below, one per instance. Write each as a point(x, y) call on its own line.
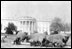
point(43, 26)
point(26, 24)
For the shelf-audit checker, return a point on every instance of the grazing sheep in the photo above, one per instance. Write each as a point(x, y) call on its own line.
point(3, 38)
point(37, 38)
point(46, 43)
point(17, 41)
point(20, 37)
point(69, 41)
point(56, 39)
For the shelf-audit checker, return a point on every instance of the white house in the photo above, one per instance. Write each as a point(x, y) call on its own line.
point(43, 26)
point(26, 24)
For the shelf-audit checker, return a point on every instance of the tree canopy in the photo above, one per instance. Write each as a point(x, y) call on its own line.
point(11, 27)
point(58, 25)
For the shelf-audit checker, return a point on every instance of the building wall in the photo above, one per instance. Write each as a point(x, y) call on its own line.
point(39, 26)
point(43, 26)
point(25, 27)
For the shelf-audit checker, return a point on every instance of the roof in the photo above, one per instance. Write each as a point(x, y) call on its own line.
point(24, 18)
point(21, 18)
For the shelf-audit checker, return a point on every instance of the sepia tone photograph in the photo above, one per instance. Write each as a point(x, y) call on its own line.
point(35, 24)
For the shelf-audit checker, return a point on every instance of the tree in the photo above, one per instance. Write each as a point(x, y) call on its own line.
point(56, 25)
point(67, 27)
point(11, 27)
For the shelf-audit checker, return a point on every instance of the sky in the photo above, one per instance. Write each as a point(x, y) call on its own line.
point(41, 10)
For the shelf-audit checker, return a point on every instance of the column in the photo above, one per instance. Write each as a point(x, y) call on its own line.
point(29, 28)
point(26, 29)
point(32, 27)
point(24, 23)
point(49, 29)
point(25, 26)
point(22, 26)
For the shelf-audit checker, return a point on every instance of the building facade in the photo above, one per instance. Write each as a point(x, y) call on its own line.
point(43, 26)
point(26, 24)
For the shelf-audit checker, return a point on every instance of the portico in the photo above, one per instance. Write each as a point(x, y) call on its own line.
point(28, 24)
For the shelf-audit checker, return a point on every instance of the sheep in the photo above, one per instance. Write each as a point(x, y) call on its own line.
point(56, 40)
point(37, 38)
point(20, 37)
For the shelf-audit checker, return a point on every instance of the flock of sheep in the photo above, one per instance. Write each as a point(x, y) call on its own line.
point(55, 39)
point(41, 39)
